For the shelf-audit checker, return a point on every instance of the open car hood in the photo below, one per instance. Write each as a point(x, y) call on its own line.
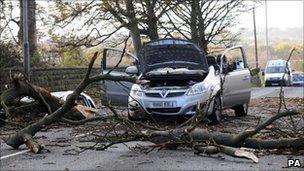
point(171, 71)
point(171, 53)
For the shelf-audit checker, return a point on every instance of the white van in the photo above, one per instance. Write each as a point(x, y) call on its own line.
point(274, 73)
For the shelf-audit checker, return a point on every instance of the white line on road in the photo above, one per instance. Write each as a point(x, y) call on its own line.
point(14, 154)
point(25, 151)
point(82, 135)
point(88, 133)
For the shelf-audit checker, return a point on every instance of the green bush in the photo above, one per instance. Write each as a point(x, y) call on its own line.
point(73, 57)
point(10, 55)
point(36, 59)
point(254, 71)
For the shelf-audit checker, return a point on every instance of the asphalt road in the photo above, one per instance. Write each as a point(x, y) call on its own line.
point(120, 157)
point(289, 92)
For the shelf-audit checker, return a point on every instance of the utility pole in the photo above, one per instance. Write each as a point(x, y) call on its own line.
point(267, 47)
point(255, 40)
point(26, 52)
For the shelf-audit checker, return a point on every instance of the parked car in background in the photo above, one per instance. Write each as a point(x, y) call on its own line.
point(176, 78)
point(298, 78)
point(278, 72)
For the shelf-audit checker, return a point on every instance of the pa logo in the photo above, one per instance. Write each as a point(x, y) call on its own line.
point(293, 163)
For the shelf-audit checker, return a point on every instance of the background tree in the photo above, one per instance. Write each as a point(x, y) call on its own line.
point(205, 22)
point(10, 22)
point(105, 18)
point(32, 30)
point(10, 55)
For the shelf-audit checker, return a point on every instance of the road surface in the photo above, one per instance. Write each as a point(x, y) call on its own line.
point(289, 92)
point(119, 157)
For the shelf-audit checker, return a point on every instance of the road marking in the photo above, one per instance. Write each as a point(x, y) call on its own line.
point(25, 151)
point(82, 135)
point(14, 154)
point(88, 133)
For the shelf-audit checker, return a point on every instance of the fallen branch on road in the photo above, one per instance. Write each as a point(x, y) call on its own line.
point(121, 130)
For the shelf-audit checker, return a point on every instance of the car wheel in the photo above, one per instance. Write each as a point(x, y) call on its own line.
point(289, 83)
point(136, 115)
point(241, 110)
point(267, 85)
point(132, 118)
point(2, 117)
point(283, 83)
point(216, 113)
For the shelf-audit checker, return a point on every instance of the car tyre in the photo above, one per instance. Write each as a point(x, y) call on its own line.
point(136, 115)
point(241, 110)
point(131, 118)
point(2, 117)
point(215, 116)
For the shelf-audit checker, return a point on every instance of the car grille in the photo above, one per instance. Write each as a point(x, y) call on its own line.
point(170, 94)
point(175, 94)
point(275, 78)
point(153, 95)
point(164, 110)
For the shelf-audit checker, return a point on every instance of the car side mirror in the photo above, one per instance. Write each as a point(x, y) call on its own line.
point(131, 70)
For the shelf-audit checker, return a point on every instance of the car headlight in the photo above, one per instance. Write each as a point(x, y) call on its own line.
point(196, 89)
point(136, 91)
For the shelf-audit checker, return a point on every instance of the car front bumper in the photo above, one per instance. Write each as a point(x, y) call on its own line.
point(275, 82)
point(185, 105)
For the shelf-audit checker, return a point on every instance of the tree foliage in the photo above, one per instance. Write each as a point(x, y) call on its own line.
point(10, 22)
point(205, 22)
point(202, 22)
point(72, 57)
point(107, 22)
point(10, 55)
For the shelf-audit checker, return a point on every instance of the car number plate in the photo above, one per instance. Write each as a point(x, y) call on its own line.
point(162, 104)
point(275, 84)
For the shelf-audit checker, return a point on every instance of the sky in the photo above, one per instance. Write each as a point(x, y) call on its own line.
point(281, 14)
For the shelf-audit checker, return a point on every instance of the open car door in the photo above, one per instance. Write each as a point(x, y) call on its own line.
point(116, 61)
point(235, 77)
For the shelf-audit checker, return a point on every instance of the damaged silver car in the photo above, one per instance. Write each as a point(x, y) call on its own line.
point(177, 78)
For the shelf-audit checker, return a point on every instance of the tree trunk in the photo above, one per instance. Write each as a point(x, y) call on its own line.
point(202, 42)
point(133, 26)
point(135, 34)
point(193, 21)
point(231, 140)
point(152, 20)
point(32, 30)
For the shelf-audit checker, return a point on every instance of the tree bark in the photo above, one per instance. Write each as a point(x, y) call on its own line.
point(152, 20)
point(32, 30)
point(133, 26)
point(226, 139)
point(194, 21)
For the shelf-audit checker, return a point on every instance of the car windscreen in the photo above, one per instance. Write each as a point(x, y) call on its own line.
point(174, 56)
point(275, 69)
point(298, 77)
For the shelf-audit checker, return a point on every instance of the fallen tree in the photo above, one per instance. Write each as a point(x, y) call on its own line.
point(189, 135)
point(23, 88)
point(44, 101)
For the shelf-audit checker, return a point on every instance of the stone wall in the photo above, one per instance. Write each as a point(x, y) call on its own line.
point(53, 79)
